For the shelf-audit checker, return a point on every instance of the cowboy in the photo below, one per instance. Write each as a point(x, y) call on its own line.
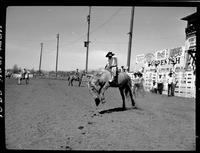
point(76, 72)
point(111, 65)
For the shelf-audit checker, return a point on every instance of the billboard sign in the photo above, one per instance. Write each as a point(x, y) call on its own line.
point(161, 54)
point(140, 58)
point(176, 52)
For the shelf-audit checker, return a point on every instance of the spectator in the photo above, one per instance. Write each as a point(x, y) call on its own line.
point(154, 87)
point(123, 69)
point(141, 83)
point(160, 84)
point(170, 84)
point(174, 82)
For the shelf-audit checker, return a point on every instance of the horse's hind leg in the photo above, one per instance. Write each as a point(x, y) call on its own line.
point(123, 97)
point(79, 83)
point(131, 95)
point(19, 81)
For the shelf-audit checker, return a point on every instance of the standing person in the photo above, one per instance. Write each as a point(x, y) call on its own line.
point(160, 84)
point(136, 84)
point(174, 82)
point(112, 66)
point(123, 69)
point(170, 84)
point(154, 87)
point(141, 84)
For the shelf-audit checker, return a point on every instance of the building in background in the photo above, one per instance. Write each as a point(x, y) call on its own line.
point(180, 60)
point(190, 43)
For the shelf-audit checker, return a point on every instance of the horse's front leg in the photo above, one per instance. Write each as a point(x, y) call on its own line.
point(123, 97)
point(79, 81)
point(19, 81)
point(102, 91)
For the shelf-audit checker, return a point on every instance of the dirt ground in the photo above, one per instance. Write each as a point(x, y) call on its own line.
point(49, 115)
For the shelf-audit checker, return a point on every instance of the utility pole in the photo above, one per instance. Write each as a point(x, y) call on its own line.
point(130, 40)
point(87, 42)
point(40, 58)
point(57, 54)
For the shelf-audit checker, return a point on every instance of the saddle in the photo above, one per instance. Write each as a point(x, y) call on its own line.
point(114, 82)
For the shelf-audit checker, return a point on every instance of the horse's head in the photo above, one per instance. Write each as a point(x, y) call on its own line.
point(94, 88)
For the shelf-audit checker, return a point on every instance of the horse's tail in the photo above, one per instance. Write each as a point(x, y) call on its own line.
point(128, 87)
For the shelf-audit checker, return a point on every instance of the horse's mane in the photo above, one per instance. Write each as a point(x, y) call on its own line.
point(100, 72)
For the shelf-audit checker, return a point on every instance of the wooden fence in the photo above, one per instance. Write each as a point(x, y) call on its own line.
point(185, 86)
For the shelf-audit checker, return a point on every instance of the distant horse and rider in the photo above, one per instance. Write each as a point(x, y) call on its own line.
point(8, 75)
point(23, 75)
point(78, 76)
point(110, 77)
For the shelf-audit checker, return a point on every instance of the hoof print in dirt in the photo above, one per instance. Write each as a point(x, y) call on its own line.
point(97, 101)
point(90, 122)
point(80, 127)
point(83, 133)
point(68, 148)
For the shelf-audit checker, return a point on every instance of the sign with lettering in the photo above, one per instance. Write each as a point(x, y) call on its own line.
point(149, 57)
point(176, 52)
point(140, 58)
point(161, 54)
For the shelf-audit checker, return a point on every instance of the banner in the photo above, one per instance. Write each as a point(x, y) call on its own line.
point(176, 52)
point(140, 58)
point(149, 57)
point(161, 54)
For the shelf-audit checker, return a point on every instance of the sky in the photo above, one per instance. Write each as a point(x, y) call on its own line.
point(154, 28)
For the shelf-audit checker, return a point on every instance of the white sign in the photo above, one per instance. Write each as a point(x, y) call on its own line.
point(140, 58)
point(190, 42)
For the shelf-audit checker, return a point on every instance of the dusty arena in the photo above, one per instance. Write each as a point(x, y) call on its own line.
point(47, 114)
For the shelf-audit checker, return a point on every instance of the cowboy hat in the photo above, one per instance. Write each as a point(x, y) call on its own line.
point(109, 54)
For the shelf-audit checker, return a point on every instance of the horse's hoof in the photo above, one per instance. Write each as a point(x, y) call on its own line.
point(134, 107)
point(123, 108)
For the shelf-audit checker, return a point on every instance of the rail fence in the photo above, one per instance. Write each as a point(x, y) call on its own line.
point(185, 86)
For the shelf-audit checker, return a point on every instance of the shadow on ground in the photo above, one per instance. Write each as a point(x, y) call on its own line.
point(117, 109)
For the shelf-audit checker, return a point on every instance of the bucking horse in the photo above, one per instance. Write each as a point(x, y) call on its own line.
point(75, 77)
point(99, 83)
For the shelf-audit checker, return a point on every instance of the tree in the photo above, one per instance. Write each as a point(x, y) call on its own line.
point(15, 69)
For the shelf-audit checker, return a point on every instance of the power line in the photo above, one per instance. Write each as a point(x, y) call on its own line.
point(97, 28)
point(107, 21)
